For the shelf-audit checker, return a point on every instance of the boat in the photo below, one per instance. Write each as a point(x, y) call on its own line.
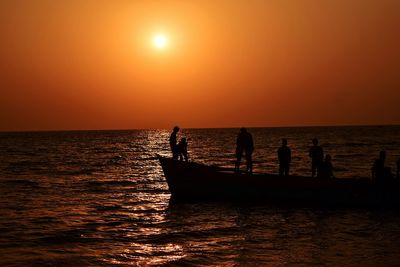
point(190, 181)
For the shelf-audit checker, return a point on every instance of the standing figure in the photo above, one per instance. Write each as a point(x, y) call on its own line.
point(285, 157)
point(378, 170)
point(326, 168)
point(172, 142)
point(244, 143)
point(317, 156)
point(182, 149)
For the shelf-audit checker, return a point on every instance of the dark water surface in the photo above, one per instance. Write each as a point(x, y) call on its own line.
point(100, 198)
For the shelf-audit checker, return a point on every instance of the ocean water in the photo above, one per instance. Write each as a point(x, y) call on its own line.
point(99, 198)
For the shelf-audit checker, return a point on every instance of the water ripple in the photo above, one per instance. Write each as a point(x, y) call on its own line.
point(99, 198)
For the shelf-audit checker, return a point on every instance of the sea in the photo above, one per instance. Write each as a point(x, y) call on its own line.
point(99, 198)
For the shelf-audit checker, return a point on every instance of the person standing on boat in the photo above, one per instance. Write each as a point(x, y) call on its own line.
point(285, 157)
point(172, 142)
point(317, 157)
point(244, 143)
point(326, 168)
point(182, 149)
point(378, 170)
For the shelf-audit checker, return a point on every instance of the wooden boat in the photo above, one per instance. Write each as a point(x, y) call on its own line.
point(189, 181)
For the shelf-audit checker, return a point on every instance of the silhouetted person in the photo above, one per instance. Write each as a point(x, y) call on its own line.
point(172, 142)
point(182, 149)
point(285, 157)
point(317, 156)
point(326, 168)
point(378, 170)
point(244, 143)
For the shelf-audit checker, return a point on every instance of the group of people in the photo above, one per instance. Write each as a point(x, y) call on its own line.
point(380, 172)
point(320, 167)
point(178, 149)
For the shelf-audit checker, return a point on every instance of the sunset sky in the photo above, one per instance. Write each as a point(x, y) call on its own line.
point(154, 64)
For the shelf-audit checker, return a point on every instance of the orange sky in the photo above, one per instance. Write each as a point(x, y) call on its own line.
point(91, 65)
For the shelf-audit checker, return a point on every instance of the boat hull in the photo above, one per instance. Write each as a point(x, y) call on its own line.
point(188, 181)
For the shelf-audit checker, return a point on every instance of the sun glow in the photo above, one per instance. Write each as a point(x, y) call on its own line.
point(160, 41)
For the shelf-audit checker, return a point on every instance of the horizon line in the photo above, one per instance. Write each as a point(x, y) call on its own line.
point(198, 128)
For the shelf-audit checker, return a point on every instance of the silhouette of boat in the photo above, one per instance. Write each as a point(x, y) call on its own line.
point(189, 181)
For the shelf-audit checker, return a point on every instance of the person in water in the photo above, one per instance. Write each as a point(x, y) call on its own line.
point(244, 143)
point(378, 170)
point(284, 157)
point(326, 168)
point(317, 156)
point(172, 142)
point(182, 149)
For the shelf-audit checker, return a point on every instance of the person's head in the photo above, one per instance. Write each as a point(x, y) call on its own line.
point(284, 142)
point(243, 130)
point(328, 157)
point(315, 141)
point(382, 155)
point(176, 129)
point(183, 140)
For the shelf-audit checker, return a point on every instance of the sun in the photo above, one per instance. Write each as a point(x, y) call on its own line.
point(160, 41)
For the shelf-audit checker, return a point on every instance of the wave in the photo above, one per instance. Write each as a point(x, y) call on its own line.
point(20, 182)
point(69, 236)
point(110, 183)
point(355, 144)
point(83, 171)
point(344, 156)
point(108, 207)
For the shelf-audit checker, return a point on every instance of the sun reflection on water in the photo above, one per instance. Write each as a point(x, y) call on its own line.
point(137, 254)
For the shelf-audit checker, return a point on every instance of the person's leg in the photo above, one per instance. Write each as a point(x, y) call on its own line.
point(249, 162)
point(313, 169)
point(318, 169)
point(281, 169)
point(287, 168)
point(239, 154)
point(175, 152)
